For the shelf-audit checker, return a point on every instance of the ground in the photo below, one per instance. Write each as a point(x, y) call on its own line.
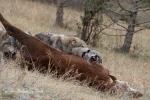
point(16, 83)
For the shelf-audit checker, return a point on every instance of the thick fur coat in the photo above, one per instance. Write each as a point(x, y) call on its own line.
point(71, 45)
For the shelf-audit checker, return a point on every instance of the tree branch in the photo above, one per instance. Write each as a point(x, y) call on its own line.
point(111, 34)
point(146, 9)
point(117, 23)
point(109, 10)
point(142, 23)
point(106, 26)
point(139, 30)
point(117, 29)
point(122, 7)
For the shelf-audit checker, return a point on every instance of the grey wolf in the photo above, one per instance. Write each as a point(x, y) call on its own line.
point(7, 45)
point(70, 44)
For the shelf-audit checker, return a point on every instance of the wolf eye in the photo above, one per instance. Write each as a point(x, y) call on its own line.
point(6, 54)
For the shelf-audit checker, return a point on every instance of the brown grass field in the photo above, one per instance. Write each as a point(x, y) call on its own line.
point(18, 84)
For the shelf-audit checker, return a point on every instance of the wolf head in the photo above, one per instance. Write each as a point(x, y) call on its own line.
point(92, 56)
point(7, 44)
point(9, 48)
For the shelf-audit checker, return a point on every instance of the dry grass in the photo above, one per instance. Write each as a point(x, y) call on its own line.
point(36, 17)
point(22, 84)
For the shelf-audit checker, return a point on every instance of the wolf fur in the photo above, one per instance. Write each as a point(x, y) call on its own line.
point(60, 41)
point(70, 44)
point(8, 44)
point(87, 54)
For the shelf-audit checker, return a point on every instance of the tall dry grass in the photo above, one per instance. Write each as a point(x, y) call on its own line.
point(17, 84)
point(36, 17)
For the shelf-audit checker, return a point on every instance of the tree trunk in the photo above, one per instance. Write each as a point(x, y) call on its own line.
point(91, 9)
point(98, 23)
point(59, 14)
point(131, 28)
point(130, 31)
point(86, 20)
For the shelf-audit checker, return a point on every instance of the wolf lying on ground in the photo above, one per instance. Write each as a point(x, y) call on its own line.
point(70, 44)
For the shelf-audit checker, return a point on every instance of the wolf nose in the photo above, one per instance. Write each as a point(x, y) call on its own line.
point(10, 54)
point(93, 59)
point(13, 55)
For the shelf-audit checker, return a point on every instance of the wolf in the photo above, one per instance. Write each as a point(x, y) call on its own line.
point(8, 45)
point(87, 54)
point(60, 41)
point(70, 44)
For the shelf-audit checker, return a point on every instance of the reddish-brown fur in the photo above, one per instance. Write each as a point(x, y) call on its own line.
point(41, 54)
